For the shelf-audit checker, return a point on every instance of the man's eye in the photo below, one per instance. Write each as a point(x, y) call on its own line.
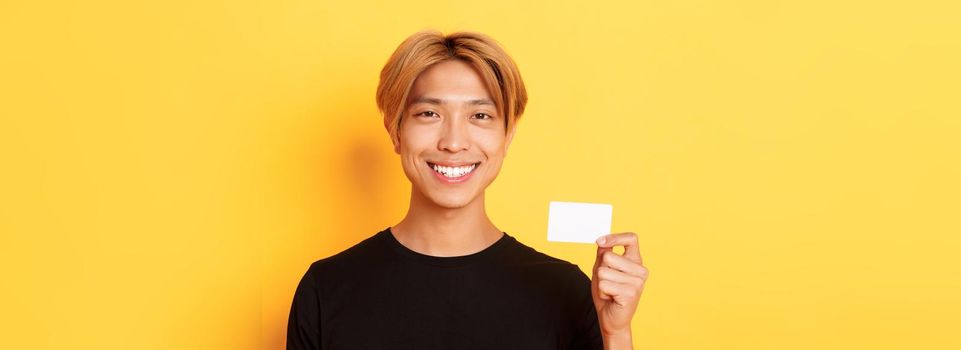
point(484, 116)
point(427, 114)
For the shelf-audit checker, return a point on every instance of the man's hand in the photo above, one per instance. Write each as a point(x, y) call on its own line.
point(616, 287)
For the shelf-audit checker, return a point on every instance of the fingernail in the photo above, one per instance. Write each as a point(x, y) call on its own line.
point(601, 240)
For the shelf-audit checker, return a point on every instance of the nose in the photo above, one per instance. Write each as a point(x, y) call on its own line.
point(454, 137)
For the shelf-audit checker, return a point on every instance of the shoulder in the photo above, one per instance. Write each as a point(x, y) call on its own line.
point(522, 253)
point(529, 259)
point(362, 255)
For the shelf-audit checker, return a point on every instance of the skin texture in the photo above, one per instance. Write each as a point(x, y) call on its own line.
point(449, 219)
point(450, 118)
point(617, 286)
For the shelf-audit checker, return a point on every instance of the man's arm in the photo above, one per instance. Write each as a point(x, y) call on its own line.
point(618, 341)
point(616, 286)
point(587, 329)
point(303, 325)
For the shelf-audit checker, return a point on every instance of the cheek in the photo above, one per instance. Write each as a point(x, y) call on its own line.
point(492, 145)
point(411, 139)
point(417, 136)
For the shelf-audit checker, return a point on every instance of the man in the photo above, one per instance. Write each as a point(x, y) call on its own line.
point(445, 277)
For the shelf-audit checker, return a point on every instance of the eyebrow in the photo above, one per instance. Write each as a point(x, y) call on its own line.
point(437, 101)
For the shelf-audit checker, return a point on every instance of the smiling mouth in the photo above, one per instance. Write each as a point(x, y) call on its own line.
point(453, 172)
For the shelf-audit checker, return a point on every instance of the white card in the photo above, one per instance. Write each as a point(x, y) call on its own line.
point(578, 222)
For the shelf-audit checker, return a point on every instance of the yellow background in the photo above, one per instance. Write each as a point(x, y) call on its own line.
point(170, 168)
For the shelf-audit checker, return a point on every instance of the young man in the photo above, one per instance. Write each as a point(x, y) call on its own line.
point(445, 277)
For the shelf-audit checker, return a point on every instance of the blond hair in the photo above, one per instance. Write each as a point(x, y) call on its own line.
point(425, 48)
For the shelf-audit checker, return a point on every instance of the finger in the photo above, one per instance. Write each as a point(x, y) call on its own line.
point(609, 274)
point(600, 252)
point(626, 239)
point(622, 294)
point(617, 262)
point(596, 278)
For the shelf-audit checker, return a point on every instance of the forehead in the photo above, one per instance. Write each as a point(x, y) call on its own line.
point(452, 80)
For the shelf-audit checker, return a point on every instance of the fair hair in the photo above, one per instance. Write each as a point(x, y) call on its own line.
point(423, 49)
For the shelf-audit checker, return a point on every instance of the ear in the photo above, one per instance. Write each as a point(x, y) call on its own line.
point(510, 137)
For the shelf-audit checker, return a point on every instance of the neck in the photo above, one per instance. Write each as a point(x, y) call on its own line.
point(439, 231)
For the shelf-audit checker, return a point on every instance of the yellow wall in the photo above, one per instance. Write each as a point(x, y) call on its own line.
point(170, 168)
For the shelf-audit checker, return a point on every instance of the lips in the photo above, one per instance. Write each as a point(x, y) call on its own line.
point(453, 174)
point(452, 164)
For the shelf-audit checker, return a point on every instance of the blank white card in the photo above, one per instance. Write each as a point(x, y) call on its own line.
point(578, 222)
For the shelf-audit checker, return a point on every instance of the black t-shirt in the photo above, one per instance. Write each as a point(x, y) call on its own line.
point(379, 294)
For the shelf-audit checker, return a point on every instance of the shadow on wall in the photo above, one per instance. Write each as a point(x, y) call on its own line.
point(356, 188)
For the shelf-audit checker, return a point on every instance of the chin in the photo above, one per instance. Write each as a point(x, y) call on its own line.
point(450, 201)
point(447, 197)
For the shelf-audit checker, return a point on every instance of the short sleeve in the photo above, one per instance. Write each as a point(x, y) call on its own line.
point(587, 328)
point(303, 325)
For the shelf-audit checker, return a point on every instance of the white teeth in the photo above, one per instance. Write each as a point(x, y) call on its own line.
point(454, 171)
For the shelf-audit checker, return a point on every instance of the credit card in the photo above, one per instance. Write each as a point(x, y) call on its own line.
point(578, 222)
